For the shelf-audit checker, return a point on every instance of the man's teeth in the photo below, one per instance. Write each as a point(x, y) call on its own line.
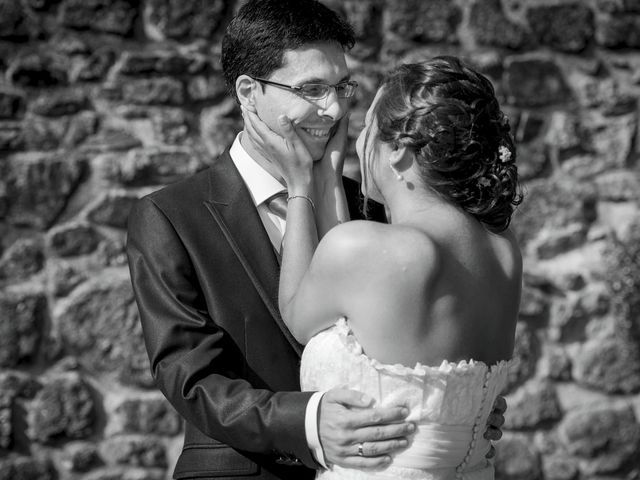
point(317, 132)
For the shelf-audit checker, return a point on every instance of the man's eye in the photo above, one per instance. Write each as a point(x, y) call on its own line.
point(314, 90)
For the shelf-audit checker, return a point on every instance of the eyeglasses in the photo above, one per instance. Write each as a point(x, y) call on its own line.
point(317, 91)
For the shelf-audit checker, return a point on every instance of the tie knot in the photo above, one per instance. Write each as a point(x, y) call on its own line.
point(277, 204)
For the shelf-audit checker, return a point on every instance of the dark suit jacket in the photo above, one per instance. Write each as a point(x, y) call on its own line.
point(205, 277)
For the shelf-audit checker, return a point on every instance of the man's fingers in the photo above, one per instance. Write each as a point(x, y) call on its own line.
point(493, 434)
point(375, 449)
point(383, 433)
point(495, 420)
point(500, 405)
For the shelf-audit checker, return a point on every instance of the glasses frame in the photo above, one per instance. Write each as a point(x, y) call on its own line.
point(298, 88)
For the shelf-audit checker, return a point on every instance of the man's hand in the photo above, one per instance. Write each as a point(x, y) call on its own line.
point(494, 422)
point(355, 435)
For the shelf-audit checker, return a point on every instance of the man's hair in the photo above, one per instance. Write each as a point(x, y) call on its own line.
point(257, 37)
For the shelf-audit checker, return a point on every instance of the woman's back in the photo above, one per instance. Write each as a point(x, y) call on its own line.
point(429, 291)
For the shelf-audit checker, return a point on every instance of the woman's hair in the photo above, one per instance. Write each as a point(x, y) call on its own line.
point(448, 115)
point(258, 36)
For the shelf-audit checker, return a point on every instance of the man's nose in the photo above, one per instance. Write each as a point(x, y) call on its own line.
point(332, 106)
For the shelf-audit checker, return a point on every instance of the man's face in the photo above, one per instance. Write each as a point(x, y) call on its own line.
point(314, 120)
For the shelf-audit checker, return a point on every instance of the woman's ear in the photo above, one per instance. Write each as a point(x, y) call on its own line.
point(401, 159)
point(246, 90)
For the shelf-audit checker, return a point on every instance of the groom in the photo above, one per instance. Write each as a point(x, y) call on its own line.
point(203, 255)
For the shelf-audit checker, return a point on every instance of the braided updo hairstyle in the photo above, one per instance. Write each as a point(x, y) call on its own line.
point(448, 115)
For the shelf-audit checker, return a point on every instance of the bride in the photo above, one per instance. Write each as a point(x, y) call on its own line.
point(422, 311)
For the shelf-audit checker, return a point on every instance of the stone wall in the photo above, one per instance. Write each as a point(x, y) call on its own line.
point(102, 101)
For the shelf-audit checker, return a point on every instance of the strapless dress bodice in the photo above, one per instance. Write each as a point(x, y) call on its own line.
point(449, 404)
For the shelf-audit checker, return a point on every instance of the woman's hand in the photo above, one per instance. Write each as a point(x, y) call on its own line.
point(332, 163)
point(285, 149)
point(327, 181)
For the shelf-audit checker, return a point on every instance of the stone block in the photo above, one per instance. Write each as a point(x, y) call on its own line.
point(611, 365)
point(153, 91)
point(533, 161)
point(38, 186)
point(516, 459)
point(44, 134)
point(17, 467)
point(618, 30)
point(57, 104)
point(11, 136)
point(22, 316)
point(22, 259)
point(64, 276)
point(111, 16)
point(11, 103)
point(111, 209)
point(160, 62)
point(560, 240)
point(433, 21)
point(604, 439)
point(73, 239)
point(39, 70)
point(525, 356)
point(80, 457)
point(99, 322)
point(63, 407)
point(568, 27)
point(184, 19)
point(618, 6)
point(559, 467)
point(553, 204)
point(490, 26)
point(153, 166)
point(14, 21)
point(170, 125)
point(95, 66)
point(533, 405)
point(111, 140)
point(147, 415)
point(534, 82)
point(555, 364)
point(206, 88)
point(135, 451)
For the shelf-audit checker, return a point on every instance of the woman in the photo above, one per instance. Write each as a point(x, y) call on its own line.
point(421, 311)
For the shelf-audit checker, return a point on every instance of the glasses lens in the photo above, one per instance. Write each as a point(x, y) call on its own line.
point(314, 91)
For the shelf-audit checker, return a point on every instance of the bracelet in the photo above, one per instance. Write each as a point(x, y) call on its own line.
point(306, 197)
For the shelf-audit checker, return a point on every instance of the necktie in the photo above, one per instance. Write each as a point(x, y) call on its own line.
point(277, 204)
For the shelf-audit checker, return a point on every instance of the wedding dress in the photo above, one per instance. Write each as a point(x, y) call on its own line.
point(449, 404)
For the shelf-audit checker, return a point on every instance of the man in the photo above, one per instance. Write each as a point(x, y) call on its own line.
point(203, 255)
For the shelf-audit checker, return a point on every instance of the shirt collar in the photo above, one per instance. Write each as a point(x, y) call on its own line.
point(260, 183)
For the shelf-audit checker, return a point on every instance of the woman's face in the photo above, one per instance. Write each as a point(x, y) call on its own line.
point(367, 148)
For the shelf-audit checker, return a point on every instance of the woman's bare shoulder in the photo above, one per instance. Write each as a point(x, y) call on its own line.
point(393, 247)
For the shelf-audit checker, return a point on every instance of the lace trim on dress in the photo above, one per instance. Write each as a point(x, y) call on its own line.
point(419, 370)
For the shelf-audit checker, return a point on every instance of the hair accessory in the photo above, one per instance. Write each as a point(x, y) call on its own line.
point(505, 154)
point(399, 176)
point(484, 182)
point(306, 197)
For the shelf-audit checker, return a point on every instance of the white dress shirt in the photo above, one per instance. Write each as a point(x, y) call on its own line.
point(262, 186)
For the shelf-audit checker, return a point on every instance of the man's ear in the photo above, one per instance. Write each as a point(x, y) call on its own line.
point(401, 159)
point(246, 90)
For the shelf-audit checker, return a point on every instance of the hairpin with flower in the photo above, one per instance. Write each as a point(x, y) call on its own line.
point(504, 154)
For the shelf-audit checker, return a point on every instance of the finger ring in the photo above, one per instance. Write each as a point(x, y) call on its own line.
point(360, 450)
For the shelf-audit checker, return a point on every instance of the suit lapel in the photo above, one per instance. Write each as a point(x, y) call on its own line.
point(232, 207)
